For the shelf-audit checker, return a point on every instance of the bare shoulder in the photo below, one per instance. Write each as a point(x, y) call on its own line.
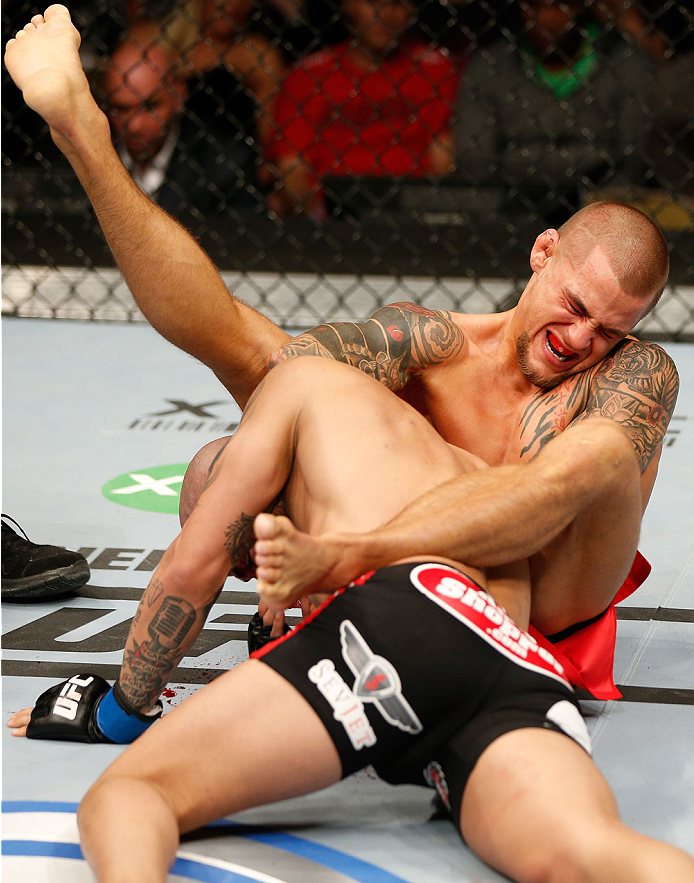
point(636, 385)
point(396, 344)
point(645, 360)
point(434, 335)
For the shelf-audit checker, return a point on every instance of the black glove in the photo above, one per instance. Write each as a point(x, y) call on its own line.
point(73, 712)
point(68, 710)
point(259, 634)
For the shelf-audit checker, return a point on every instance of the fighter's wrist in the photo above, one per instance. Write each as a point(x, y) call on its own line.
point(118, 721)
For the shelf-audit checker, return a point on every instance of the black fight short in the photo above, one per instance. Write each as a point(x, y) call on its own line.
point(416, 670)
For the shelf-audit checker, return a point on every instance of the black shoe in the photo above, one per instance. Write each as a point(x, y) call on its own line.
point(36, 573)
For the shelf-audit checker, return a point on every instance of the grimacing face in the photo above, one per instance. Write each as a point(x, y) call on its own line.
point(570, 317)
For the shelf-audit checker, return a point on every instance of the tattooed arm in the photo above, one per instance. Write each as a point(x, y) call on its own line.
point(393, 346)
point(159, 637)
point(166, 625)
point(636, 386)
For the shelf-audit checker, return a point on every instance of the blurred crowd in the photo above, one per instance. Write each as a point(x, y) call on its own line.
point(260, 106)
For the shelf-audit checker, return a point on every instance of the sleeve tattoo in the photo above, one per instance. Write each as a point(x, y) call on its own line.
point(636, 386)
point(394, 345)
point(146, 668)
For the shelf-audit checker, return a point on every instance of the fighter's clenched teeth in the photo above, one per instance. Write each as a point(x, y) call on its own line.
point(558, 350)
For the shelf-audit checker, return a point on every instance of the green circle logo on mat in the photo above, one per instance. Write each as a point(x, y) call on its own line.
point(156, 489)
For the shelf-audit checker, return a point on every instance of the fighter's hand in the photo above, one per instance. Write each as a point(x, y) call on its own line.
point(266, 625)
point(272, 617)
point(84, 708)
point(19, 721)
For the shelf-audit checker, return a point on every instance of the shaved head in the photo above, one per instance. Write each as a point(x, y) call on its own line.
point(634, 246)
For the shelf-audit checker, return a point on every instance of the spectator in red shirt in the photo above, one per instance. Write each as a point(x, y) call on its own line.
point(378, 104)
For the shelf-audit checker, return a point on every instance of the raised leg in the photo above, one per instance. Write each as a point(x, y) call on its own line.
point(173, 281)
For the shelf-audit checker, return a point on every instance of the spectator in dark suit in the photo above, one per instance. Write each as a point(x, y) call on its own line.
point(187, 165)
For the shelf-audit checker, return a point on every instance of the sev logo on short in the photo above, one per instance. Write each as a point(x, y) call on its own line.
point(376, 681)
point(347, 708)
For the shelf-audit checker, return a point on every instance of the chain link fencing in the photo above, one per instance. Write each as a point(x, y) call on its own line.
point(335, 156)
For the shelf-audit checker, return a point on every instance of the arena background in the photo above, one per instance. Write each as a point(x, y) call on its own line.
point(101, 417)
point(440, 242)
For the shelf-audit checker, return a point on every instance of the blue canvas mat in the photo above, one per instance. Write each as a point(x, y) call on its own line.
point(100, 421)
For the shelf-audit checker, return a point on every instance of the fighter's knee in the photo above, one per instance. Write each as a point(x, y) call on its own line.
point(614, 454)
point(574, 854)
point(120, 788)
point(598, 451)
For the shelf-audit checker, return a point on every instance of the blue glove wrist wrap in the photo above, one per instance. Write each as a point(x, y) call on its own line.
point(117, 724)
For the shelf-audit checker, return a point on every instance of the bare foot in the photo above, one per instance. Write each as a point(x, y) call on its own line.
point(290, 563)
point(43, 60)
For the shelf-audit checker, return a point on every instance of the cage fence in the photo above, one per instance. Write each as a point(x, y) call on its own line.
point(335, 156)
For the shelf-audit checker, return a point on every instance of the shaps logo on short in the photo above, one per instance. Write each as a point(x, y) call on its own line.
point(460, 596)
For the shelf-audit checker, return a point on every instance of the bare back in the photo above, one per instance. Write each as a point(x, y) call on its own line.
point(361, 454)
